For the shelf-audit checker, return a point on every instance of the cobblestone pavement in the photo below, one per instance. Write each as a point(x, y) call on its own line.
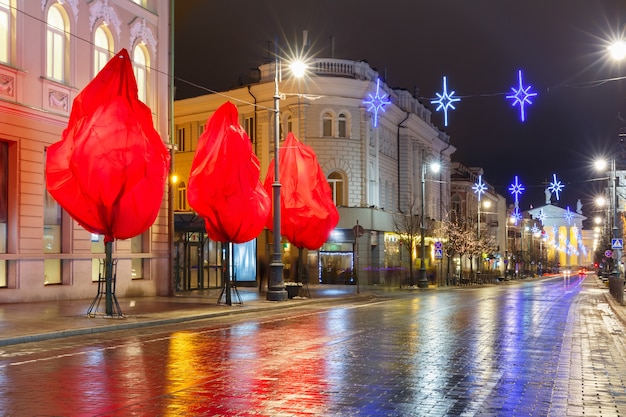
point(543, 348)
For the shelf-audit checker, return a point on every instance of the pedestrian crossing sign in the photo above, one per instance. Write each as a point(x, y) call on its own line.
point(438, 253)
point(617, 244)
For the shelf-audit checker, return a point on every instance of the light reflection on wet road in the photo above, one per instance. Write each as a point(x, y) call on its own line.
point(543, 348)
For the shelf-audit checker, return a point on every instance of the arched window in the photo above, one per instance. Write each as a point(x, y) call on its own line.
point(327, 125)
point(140, 66)
point(102, 49)
point(56, 47)
point(335, 180)
point(182, 197)
point(342, 125)
point(5, 31)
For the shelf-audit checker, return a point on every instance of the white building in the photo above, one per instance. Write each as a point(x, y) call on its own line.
point(49, 50)
point(373, 164)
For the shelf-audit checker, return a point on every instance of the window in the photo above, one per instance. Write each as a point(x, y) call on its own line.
point(4, 209)
point(182, 197)
point(140, 66)
point(327, 125)
point(102, 50)
point(289, 124)
point(248, 126)
point(342, 122)
point(180, 139)
point(56, 44)
point(51, 238)
point(335, 180)
point(5, 30)
point(136, 264)
point(97, 264)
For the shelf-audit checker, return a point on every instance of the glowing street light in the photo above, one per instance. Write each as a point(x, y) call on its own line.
point(617, 50)
point(276, 286)
point(422, 281)
point(602, 165)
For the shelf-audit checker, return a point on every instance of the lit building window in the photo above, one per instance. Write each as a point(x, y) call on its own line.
point(4, 209)
point(51, 238)
point(56, 44)
point(342, 122)
point(335, 180)
point(140, 66)
point(5, 30)
point(182, 197)
point(102, 50)
point(327, 125)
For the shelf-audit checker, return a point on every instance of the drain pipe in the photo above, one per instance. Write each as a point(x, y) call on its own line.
point(408, 114)
point(254, 122)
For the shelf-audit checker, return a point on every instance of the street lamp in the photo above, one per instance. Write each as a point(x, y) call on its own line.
point(422, 281)
point(276, 286)
point(602, 165)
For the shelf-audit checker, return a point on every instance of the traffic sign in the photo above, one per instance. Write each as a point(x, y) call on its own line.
point(438, 253)
point(358, 230)
point(617, 244)
point(438, 245)
point(608, 253)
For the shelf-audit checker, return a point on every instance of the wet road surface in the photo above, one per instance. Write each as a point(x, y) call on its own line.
point(541, 348)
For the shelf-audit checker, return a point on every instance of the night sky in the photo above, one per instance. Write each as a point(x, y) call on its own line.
point(478, 44)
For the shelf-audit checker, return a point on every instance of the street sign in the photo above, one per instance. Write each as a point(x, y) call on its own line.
point(608, 253)
point(438, 245)
point(438, 253)
point(358, 230)
point(617, 244)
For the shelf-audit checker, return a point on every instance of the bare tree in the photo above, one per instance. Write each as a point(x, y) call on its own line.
point(407, 226)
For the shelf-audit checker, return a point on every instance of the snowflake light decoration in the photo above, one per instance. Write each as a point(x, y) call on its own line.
point(479, 187)
point(521, 96)
point(376, 103)
point(541, 216)
point(568, 215)
point(534, 230)
point(556, 186)
point(445, 101)
point(516, 189)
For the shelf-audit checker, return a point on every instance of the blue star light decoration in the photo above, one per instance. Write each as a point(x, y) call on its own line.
point(445, 101)
point(516, 189)
point(541, 216)
point(479, 187)
point(568, 215)
point(521, 96)
point(555, 186)
point(376, 103)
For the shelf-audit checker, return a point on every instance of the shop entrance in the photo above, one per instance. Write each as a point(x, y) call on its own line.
point(336, 268)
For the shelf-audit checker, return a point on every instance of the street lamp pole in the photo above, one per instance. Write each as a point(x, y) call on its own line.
point(422, 282)
point(276, 287)
point(618, 251)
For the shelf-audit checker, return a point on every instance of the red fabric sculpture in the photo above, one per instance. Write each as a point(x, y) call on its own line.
point(110, 168)
point(224, 185)
point(308, 213)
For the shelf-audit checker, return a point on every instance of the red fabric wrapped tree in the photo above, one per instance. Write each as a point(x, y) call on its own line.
point(224, 186)
point(109, 170)
point(308, 213)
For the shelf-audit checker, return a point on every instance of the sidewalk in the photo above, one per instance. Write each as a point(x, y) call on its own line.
point(30, 322)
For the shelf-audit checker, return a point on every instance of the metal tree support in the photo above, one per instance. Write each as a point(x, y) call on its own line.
point(106, 286)
point(228, 289)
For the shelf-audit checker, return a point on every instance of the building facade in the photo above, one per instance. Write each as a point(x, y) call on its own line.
point(49, 50)
point(375, 164)
point(483, 215)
